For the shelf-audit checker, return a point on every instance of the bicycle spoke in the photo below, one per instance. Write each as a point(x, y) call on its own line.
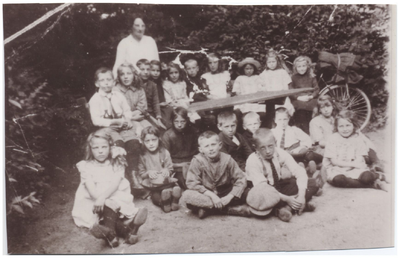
point(356, 99)
point(359, 103)
point(360, 109)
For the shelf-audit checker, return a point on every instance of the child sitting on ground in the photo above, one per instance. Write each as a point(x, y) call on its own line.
point(110, 109)
point(293, 140)
point(150, 88)
point(304, 103)
point(103, 202)
point(344, 157)
point(215, 182)
point(181, 142)
point(156, 165)
point(233, 143)
point(322, 126)
point(175, 88)
point(129, 84)
point(266, 165)
point(251, 122)
point(217, 79)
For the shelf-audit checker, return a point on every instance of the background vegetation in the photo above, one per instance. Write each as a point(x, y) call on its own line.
point(49, 68)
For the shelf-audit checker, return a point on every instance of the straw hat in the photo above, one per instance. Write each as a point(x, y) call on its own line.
point(262, 198)
point(249, 60)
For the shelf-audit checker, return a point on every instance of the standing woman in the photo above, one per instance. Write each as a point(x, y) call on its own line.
point(136, 46)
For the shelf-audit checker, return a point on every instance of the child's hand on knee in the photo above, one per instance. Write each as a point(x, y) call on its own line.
point(226, 199)
point(215, 199)
point(165, 172)
point(98, 205)
point(302, 201)
point(294, 203)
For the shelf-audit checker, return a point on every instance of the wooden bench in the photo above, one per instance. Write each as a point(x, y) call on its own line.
point(242, 99)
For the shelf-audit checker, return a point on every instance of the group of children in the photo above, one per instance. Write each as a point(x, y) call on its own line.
point(210, 164)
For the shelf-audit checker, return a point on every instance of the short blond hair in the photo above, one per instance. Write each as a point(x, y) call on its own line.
point(191, 60)
point(226, 116)
point(207, 135)
point(308, 61)
point(251, 115)
point(262, 134)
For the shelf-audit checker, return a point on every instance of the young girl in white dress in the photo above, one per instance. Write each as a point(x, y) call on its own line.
point(276, 77)
point(249, 81)
point(217, 79)
point(175, 88)
point(344, 157)
point(103, 202)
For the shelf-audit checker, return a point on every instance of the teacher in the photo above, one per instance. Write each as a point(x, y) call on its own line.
point(135, 47)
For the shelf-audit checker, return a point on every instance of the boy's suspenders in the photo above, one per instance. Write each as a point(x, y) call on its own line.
point(264, 168)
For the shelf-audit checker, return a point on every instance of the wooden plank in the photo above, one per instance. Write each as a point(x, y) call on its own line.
point(242, 99)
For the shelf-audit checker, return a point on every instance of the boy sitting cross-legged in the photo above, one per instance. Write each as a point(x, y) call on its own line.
point(215, 182)
point(266, 165)
point(233, 143)
point(293, 140)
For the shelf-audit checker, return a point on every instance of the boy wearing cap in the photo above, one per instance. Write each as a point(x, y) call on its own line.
point(265, 165)
point(215, 182)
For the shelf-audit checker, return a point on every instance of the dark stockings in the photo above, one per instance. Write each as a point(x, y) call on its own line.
point(365, 180)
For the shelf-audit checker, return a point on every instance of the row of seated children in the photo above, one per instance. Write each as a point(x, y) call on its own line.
point(216, 183)
point(234, 143)
point(291, 139)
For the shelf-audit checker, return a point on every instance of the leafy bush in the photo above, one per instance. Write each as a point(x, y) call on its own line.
point(250, 31)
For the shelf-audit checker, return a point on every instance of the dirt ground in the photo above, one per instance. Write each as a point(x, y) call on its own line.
point(344, 219)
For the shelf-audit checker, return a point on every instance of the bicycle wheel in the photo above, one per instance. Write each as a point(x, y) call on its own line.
point(354, 99)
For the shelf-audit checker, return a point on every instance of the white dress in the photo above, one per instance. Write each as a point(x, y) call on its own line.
point(247, 84)
point(217, 83)
point(175, 93)
point(101, 174)
point(277, 80)
point(344, 149)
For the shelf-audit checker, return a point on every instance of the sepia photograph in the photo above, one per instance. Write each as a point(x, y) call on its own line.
point(138, 128)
